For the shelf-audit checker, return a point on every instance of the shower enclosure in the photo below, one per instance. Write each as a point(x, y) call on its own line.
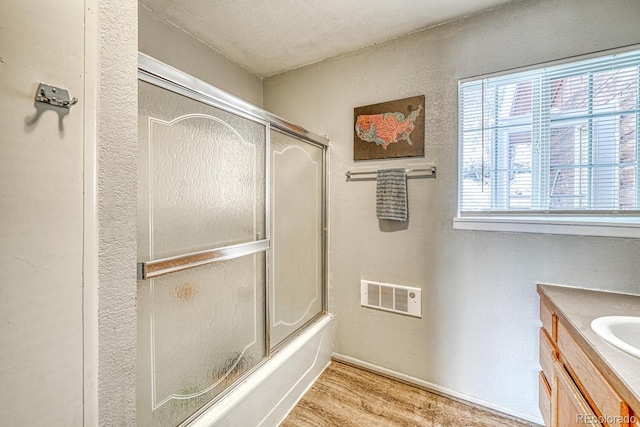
point(231, 241)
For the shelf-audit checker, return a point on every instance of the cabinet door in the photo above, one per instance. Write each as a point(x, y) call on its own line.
point(592, 383)
point(544, 399)
point(569, 406)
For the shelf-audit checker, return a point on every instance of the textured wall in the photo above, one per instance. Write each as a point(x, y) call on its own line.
point(170, 44)
point(117, 150)
point(478, 334)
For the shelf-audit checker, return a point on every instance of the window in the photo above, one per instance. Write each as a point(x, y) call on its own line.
point(552, 141)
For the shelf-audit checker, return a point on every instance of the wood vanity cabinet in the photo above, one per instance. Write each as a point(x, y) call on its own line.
point(572, 392)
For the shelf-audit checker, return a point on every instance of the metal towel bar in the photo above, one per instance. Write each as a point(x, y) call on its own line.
point(431, 170)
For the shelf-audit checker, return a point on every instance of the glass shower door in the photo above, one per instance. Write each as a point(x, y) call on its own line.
point(297, 179)
point(201, 196)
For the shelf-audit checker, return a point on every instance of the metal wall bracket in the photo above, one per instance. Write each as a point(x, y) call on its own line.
point(55, 96)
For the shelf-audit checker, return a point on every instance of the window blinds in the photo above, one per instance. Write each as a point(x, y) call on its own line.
point(563, 138)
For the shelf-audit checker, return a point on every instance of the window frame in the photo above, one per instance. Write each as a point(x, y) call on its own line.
point(610, 223)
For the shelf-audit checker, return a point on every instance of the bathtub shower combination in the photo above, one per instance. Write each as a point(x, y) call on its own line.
point(232, 324)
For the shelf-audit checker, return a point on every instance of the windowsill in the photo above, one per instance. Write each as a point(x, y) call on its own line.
point(575, 226)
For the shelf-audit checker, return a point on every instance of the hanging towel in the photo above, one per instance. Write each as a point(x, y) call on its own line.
point(391, 194)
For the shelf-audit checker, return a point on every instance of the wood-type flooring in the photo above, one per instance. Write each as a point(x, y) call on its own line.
point(347, 396)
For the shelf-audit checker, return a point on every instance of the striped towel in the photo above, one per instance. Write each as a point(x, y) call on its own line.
point(391, 194)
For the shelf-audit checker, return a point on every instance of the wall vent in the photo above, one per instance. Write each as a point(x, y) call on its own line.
point(394, 298)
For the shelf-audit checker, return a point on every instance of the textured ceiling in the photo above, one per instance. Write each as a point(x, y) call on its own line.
point(269, 37)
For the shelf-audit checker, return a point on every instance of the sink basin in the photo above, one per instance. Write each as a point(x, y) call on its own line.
point(620, 331)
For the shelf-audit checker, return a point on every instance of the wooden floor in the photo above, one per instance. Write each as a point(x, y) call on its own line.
point(347, 396)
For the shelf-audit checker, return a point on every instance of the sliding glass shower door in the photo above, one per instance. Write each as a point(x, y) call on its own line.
point(297, 230)
point(231, 241)
point(202, 201)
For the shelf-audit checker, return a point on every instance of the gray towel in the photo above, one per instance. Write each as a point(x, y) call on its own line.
point(391, 194)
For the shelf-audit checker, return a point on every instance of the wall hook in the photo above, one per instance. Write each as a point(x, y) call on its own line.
point(55, 96)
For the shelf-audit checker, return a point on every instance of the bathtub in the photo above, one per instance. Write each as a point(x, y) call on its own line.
point(266, 397)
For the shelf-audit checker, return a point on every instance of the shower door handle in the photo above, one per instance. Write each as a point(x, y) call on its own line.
point(160, 267)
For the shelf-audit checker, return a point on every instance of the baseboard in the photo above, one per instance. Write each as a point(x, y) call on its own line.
point(443, 391)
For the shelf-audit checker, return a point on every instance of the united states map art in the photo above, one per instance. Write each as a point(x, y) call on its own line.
point(389, 129)
point(385, 128)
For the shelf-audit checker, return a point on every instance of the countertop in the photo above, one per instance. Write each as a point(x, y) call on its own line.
point(578, 308)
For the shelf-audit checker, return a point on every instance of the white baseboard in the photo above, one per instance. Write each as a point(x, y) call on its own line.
point(465, 398)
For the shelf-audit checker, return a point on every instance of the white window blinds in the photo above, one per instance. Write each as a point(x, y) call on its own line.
point(560, 139)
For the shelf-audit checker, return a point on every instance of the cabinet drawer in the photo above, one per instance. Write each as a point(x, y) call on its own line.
point(548, 320)
point(547, 354)
point(609, 404)
point(544, 399)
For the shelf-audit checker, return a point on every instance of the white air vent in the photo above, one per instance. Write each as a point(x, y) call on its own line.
point(395, 298)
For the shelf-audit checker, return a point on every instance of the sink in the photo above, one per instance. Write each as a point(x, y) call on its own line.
point(620, 331)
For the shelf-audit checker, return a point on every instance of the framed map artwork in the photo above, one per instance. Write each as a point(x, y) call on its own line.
point(389, 129)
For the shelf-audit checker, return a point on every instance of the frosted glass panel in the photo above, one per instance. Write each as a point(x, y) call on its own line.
point(199, 330)
point(296, 234)
point(201, 176)
point(201, 186)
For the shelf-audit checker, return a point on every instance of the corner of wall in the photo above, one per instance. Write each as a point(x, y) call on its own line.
point(112, 387)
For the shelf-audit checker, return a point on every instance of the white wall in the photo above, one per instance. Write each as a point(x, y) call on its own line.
point(41, 212)
point(172, 45)
point(478, 335)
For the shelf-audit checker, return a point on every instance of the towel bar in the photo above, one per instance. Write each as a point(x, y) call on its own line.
point(432, 174)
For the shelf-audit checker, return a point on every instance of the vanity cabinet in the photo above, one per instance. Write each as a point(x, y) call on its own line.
point(572, 391)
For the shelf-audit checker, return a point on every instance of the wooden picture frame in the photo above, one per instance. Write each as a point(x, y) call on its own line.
point(389, 129)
